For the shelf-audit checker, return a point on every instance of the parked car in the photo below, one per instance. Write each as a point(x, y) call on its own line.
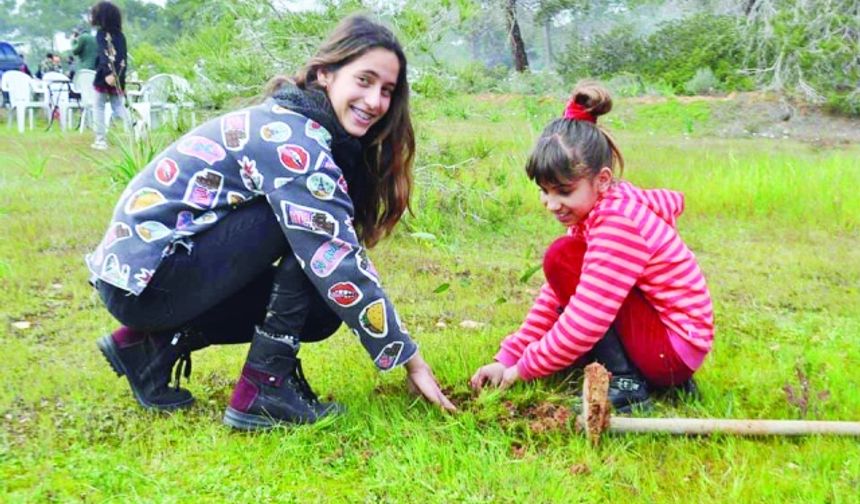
point(10, 60)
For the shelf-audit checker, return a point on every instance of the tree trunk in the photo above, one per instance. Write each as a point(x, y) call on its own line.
point(550, 58)
point(521, 61)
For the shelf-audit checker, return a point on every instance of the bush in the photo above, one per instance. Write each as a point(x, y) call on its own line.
point(703, 83)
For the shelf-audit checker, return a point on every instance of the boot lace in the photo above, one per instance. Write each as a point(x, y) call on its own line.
point(182, 367)
point(302, 384)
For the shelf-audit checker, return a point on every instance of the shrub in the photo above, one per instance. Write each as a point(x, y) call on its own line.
point(703, 83)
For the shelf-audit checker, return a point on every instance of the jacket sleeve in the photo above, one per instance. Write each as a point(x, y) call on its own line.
point(315, 212)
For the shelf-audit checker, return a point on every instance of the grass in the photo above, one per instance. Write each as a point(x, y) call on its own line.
point(776, 228)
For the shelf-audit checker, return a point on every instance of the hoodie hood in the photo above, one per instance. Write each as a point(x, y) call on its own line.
point(668, 205)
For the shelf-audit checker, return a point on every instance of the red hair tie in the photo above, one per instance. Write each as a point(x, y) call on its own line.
point(576, 112)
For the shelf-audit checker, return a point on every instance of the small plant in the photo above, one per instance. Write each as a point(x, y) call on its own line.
point(703, 83)
point(34, 163)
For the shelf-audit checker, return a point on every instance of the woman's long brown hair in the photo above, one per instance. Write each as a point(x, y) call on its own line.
point(389, 145)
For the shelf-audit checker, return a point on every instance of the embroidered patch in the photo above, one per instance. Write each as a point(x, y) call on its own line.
point(144, 199)
point(277, 109)
point(315, 131)
point(282, 181)
point(327, 258)
point(143, 277)
point(294, 158)
point(345, 294)
point(206, 218)
point(184, 219)
point(203, 189)
point(366, 267)
point(341, 183)
point(308, 219)
point(202, 148)
point(389, 355)
point(151, 231)
point(321, 186)
point(117, 232)
point(235, 130)
point(325, 162)
point(373, 319)
point(235, 198)
point(251, 176)
point(276, 131)
point(166, 171)
point(114, 272)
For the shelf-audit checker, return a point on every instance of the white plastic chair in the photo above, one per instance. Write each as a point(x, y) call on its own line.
point(56, 88)
point(83, 85)
point(19, 86)
point(155, 100)
point(183, 93)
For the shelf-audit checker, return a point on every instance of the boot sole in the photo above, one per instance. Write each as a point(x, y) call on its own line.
point(109, 350)
point(247, 422)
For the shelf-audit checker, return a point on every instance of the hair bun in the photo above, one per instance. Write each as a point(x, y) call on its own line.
point(593, 97)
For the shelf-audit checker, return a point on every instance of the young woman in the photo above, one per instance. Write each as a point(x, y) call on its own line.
point(111, 63)
point(308, 178)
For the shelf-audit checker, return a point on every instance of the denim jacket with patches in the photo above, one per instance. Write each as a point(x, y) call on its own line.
point(264, 151)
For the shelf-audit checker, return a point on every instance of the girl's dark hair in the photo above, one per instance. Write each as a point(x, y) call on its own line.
point(389, 144)
point(569, 150)
point(106, 16)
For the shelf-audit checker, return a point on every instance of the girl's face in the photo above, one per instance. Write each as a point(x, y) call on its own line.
point(571, 202)
point(360, 91)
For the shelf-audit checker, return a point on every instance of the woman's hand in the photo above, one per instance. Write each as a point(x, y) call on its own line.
point(490, 374)
point(420, 380)
point(110, 80)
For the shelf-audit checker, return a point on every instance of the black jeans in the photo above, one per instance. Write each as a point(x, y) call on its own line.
point(226, 284)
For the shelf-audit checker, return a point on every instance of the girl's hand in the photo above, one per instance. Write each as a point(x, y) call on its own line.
point(420, 380)
point(511, 376)
point(491, 373)
point(110, 80)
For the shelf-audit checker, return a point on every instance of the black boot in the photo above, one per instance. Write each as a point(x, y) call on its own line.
point(147, 359)
point(627, 387)
point(273, 390)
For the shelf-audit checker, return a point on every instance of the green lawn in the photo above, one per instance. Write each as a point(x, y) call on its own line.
point(775, 225)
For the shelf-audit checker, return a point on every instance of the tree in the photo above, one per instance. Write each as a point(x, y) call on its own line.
point(518, 48)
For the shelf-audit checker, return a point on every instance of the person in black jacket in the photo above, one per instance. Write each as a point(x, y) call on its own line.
point(306, 180)
point(111, 64)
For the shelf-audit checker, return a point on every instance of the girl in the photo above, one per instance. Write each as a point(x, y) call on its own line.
point(111, 63)
point(308, 178)
point(622, 287)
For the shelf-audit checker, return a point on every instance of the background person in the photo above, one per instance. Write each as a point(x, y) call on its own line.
point(111, 63)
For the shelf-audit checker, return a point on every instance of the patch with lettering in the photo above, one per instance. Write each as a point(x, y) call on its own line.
point(315, 131)
point(373, 319)
point(294, 158)
point(321, 186)
point(276, 131)
point(345, 294)
point(205, 218)
point(389, 355)
point(150, 231)
point(143, 277)
point(117, 232)
point(341, 183)
point(115, 273)
point(166, 171)
point(365, 266)
point(202, 148)
point(308, 219)
point(235, 130)
point(325, 162)
point(250, 175)
point(329, 256)
point(203, 189)
point(144, 199)
point(235, 198)
point(282, 181)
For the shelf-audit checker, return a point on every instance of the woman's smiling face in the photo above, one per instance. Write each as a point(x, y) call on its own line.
point(360, 91)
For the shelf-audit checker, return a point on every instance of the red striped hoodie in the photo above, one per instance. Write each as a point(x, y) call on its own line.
point(631, 242)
